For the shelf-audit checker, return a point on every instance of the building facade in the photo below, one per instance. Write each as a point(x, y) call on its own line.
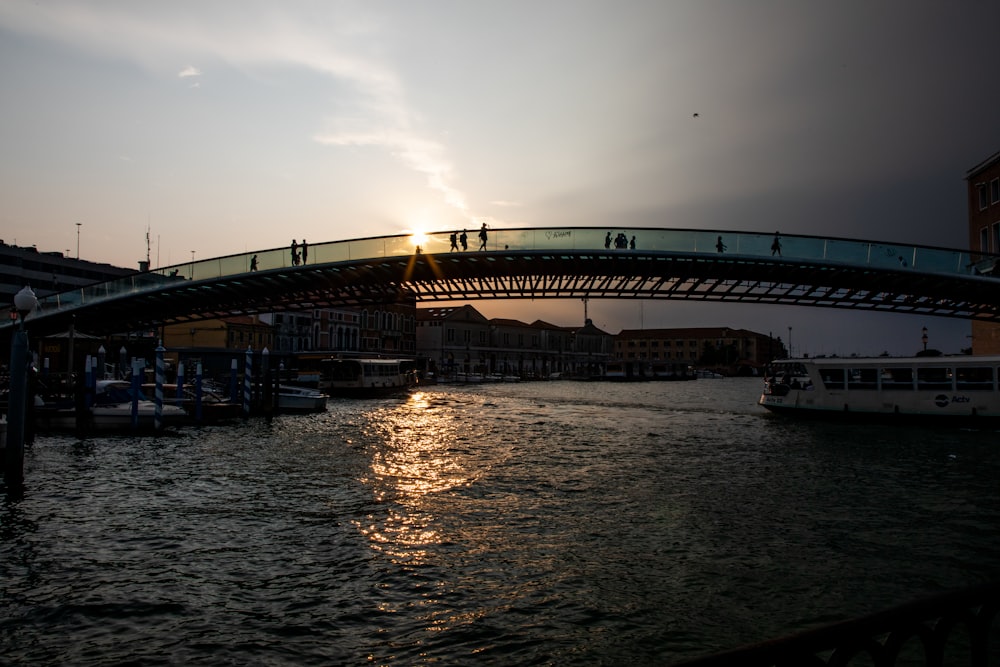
point(459, 340)
point(984, 238)
point(665, 351)
point(48, 272)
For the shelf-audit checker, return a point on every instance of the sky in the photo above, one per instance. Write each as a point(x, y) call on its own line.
point(224, 127)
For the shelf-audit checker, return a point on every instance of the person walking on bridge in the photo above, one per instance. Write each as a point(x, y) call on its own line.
point(720, 246)
point(305, 251)
point(482, 237)
point(295, 252)
point(776, 245)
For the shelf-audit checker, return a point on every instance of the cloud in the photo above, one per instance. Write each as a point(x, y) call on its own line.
point(267, 40)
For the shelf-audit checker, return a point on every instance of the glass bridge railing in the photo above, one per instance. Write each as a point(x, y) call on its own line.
point(675, 241)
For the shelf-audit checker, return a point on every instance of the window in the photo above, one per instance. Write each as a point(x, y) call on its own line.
point(934, 378)
point(996, 237)
point(832, 378)
point(974, 379)
point(995, 191)
point(450, 335)
point(984, 240)
point(983, 201)
point(862, 378)
point(897, 378)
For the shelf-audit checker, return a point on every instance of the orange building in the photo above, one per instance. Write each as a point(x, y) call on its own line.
point(984, 238)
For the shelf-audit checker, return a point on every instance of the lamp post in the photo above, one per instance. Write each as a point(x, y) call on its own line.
point(78, 239)
point(24, 302)
point(924, 338)
point(789, 342)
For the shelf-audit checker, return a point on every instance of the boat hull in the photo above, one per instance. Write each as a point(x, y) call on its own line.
point(108, 418)
point(301, 399)
point(941, 390)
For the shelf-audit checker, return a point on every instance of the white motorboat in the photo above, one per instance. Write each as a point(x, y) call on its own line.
point(958, 389)
point(301, 399)
point(111, 410)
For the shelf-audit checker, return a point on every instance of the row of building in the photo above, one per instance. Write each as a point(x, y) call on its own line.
point(460, 340)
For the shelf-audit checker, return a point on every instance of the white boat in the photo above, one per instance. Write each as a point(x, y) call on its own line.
point(959, 389)
point(368, 377)
point(301, 399)
point(111, 410)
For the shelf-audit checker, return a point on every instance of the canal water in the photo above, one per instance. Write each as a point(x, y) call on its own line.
point(535, 523)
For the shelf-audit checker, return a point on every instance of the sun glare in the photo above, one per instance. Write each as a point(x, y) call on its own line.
point(418, 239)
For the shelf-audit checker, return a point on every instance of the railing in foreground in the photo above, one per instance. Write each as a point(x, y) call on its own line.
point(946, 630)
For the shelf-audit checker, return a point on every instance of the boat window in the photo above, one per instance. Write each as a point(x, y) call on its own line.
point(978, 378)
point(832, 378)
point(897, 378)
point(934, 378)
point(862, 378)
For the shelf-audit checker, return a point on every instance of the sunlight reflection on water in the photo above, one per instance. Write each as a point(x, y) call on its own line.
point(543, 522)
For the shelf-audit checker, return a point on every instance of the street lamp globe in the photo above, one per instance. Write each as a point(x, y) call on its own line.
point(25, 301)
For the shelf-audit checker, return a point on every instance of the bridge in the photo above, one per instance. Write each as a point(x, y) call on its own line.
point(542, 263)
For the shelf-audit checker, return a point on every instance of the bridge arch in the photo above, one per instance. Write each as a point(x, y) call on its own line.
point(545, 263)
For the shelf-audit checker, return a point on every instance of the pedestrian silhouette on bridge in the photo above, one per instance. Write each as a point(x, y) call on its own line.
point(454, 242)
point(607, 240)
point(295, 252)
point(631, 244)
point(464, 238)
point(253, 263)
point(720, 246)
point(482, 237)
point(776, 245)
point(305, 251)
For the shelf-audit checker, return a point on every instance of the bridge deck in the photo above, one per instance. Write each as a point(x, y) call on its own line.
point(544, 263)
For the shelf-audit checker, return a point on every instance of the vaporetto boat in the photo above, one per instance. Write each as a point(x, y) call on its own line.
point(948, 389)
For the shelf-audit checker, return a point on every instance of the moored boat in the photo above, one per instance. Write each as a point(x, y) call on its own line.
point(959, 390)
point(301, 399)
point(368, 377)
point(209, 407)
point(111, 410)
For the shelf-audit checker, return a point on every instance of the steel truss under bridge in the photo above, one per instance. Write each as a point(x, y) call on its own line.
point(542, 264)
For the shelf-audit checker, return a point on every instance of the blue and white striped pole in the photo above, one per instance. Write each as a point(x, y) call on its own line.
point(197, 393)
point(247, 379)
point(160, 372)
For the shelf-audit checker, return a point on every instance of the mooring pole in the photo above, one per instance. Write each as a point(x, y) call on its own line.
point(13, 473)
point(136, 388)
point(197, 392)
point(247, 379)
point(233, 386)
point(158, 396)
point(266, 396)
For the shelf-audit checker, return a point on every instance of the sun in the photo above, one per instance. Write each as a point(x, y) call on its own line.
point(418, 238)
